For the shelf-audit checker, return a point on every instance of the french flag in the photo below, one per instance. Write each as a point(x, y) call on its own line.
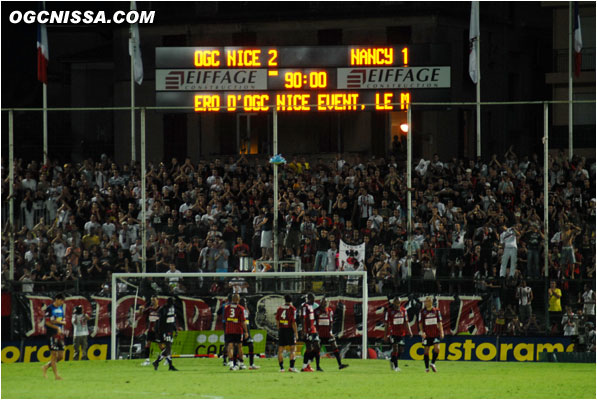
point(42, 53)
point(577, 41)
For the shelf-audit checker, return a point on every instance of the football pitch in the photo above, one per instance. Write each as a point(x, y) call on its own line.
point(208, 379)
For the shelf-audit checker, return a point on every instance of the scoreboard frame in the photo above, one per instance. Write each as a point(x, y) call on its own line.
point(291, 78)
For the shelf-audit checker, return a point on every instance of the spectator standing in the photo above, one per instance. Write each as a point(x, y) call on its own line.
point(80, 333)
point(221, 257)
point(570, 324)
point(534, 240)
point(587, 299)
point(524, 294)
point(568, 260)
point(365, 203)
point(508, 241)
point(322, 244)
point(266, 227)
point(555, 306)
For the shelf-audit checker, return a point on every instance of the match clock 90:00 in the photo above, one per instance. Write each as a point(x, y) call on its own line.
point(306, 80)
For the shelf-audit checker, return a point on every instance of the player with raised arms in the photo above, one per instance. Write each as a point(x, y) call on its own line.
point(55, 321)
point(287, 332)
point(431, 330)
point(167, 328)
point(397, 327)
point(324, 320)
point(236, 329)
point(309, 332)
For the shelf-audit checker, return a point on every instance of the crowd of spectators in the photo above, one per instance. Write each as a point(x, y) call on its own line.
point(478, 226)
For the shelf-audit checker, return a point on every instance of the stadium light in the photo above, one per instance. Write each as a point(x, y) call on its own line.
point(404, 127)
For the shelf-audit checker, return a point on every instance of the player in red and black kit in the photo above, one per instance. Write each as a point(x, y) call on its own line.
point(324, 320)
point(309, 333)
point(236, 329)
point(397, 327)
point(287, 332)
point(248, 341)
point(152, 314)
point(431, 329)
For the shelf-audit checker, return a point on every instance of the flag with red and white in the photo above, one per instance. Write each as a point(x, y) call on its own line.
point(577, 41)
point(43, 54)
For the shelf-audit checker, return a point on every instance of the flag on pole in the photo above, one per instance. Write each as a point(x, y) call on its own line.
point(577, 41)
point(135, 49)
point(473, 36)
point(43, 54)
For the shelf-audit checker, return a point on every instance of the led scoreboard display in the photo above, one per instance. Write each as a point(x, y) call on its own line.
point(322, 78)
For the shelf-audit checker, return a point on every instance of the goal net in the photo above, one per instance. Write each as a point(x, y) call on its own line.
point(200, 297)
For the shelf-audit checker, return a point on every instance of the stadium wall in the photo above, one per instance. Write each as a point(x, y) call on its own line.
point(37, 349)
point(487, 348)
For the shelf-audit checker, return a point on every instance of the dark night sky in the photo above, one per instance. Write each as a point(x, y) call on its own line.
point(21, 88)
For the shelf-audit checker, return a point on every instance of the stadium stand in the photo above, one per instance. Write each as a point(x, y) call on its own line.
point(76, 224)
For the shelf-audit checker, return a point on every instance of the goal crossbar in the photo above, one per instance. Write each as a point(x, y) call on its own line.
point(116, 276)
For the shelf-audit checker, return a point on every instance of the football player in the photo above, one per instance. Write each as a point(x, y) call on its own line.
point(431, 329)
point(55, 321)
point(167, 329)
point(152, 314)
point(309, 331)
point(397, 327)
point(287, 332)
point(236, 329)
point(248, 341)
point(324, 320)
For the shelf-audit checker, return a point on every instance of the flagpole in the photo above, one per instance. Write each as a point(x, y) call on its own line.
point(276, 189)
point(11, 183)
point(132, 102)
point(478, 87)
point(570, 66)
point(45, 122)
point(474, 65)
point(143, 197)
point(409, 161)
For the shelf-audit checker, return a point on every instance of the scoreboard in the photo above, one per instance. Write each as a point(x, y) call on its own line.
point(294, 78)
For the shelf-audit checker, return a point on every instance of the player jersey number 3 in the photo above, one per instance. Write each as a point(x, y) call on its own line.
point(231, 317)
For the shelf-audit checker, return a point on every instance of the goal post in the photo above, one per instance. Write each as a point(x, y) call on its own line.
point(278, 277)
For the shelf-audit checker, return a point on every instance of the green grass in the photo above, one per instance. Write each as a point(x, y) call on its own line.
point(207, 378)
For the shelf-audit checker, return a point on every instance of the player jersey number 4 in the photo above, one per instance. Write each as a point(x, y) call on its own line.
point(286, 315)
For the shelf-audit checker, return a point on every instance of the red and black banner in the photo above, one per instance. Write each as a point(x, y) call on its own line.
point(460, 314)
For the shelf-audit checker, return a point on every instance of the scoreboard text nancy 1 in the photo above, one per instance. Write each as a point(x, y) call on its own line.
point(309, 78)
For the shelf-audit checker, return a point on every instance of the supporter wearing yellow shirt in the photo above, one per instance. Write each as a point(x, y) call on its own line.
point(555, 295)
point(91, 239)
point(555, 306)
